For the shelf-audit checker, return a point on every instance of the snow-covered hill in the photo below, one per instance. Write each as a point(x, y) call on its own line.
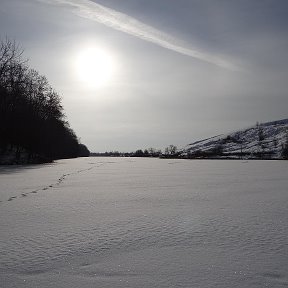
point(264, 140)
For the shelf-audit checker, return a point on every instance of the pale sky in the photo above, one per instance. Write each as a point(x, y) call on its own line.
point(148, 73)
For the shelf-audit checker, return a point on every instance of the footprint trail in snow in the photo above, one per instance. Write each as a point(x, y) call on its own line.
point(58, 182)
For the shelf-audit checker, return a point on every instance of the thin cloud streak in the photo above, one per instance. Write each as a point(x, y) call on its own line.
point(127, 24)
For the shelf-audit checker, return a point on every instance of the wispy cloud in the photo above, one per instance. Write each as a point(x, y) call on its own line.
point(127, 24)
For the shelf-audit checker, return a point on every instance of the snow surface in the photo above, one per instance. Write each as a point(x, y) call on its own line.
point(135, 222)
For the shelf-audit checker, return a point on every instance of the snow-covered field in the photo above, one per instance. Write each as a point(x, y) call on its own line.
point(120, 222)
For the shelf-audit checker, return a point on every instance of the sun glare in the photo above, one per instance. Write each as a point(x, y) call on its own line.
point(95, 67)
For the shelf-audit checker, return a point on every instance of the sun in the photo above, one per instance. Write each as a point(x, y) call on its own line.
point(95, 66)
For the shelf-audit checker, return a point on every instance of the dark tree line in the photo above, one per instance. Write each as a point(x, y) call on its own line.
point(170, 152)
point(32, 121)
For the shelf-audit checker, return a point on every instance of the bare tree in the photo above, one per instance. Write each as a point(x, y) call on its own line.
point(171, 150)
point(285, 147)
point(10, 59)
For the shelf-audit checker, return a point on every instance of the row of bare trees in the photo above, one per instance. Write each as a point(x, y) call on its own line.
point(32, 121)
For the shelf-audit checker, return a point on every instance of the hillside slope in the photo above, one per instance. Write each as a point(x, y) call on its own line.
point(265, 141)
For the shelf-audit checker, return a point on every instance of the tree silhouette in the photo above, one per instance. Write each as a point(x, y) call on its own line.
point(285, 147)
point(32, 121)
point(170, 150)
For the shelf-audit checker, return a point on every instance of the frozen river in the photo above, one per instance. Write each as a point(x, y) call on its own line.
point(132, 222)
